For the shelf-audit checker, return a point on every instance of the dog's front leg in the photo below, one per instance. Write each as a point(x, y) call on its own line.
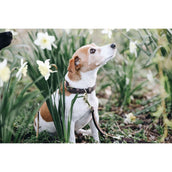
point(94, 130)
point(72, 132)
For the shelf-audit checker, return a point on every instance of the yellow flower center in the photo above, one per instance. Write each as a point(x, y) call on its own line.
point(133, 118)
point(5, 74)
point(44, 41)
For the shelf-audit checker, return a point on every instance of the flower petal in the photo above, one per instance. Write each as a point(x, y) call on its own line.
point(52, 39)
point(1, 83)
point(40, 35)
point(24, 64)
point(52, 71)
point(21, 62)
point(3, 64)
point(37, 42)
point(47, 76)
point(54, 45)
point(39, 62)
point(49, 47)
point(47, 62)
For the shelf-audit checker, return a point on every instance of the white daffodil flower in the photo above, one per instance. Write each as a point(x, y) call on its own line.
point(128, 29)
point(130, 118)
point(133, 47)
point(127, 81)
point(22, 70)
point(45, 41)
point(44, 68)
point(4, 72)
point(150, 77)
point(107, 31)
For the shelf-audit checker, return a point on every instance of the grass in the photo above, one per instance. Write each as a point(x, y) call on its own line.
point(144, 130)
point(12, 103)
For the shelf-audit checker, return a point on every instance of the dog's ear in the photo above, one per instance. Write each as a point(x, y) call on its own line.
point(77, 63)
point(71, 67)
point(74, 64)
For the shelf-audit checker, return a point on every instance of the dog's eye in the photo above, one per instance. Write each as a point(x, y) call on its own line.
point(92, 51)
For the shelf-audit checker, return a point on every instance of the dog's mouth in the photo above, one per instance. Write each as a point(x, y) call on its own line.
point(106, 60)
point(109, 58)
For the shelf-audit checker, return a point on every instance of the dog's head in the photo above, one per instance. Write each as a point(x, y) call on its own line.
point(90, 57)
point(5, 39)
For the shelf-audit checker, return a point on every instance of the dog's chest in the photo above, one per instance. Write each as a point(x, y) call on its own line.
point(81, 108)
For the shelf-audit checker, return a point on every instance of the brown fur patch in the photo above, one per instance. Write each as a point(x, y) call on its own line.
point(73, 70)
point(45, 113)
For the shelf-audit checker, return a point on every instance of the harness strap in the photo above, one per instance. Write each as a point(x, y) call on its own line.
point(94, 119)
point(97, 125)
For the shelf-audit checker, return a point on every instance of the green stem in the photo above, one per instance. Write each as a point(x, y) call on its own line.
point(10, 78)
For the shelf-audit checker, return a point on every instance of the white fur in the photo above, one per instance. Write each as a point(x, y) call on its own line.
point(81, 115)
point(86, 81)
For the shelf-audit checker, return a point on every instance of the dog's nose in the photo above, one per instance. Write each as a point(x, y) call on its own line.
point(113, 46)
point(9, 34)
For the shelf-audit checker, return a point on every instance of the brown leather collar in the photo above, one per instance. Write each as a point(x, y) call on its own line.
point(88, 90)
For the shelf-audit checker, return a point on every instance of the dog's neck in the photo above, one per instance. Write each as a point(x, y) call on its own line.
point(88, 79)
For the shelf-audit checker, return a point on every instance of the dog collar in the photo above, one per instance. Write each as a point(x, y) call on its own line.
point(88, 90)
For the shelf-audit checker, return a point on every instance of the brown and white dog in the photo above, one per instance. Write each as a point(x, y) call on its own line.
point(81, 75)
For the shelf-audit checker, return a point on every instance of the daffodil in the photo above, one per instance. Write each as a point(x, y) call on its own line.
point(133, 47)
point(45, 41)
point(44, 68)
point(150, 77)
point(127, 81)
point(4, 72)
point(22, 70)
point(130, 118)
point(108, 32)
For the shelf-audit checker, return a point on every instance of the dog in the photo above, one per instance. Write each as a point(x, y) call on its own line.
point(5, 39)
point(80, 78)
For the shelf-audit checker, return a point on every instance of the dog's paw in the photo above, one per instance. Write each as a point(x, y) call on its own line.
point(84, 132)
